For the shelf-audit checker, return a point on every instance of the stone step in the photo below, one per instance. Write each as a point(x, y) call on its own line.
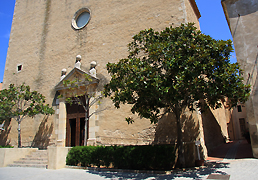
point(38, 153)
point(38, 159)
point(35, 158)
point(28, 165)
point(30, 162)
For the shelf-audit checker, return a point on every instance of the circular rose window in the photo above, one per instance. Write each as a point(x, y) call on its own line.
point(81, 18)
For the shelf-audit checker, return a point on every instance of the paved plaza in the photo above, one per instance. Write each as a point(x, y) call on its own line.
point(237, 169)
point(230, 159)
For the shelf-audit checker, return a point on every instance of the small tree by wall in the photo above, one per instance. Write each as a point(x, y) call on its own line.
point(19, 102)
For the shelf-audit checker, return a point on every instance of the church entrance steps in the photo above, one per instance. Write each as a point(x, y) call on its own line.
point(37, 159)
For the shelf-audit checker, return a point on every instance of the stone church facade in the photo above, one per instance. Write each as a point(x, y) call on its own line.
point(46, 37)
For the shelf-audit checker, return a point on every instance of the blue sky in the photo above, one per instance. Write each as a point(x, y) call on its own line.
point(6, 16)
point(213, 23)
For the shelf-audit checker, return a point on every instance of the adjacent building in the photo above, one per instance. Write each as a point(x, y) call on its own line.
point(242, 18)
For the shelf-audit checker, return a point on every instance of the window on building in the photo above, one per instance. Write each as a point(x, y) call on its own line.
point(242, 125)
point(81, 18)
point(19, 68)
point(239, 108)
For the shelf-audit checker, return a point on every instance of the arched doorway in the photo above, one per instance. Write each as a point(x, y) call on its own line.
point(71, 118)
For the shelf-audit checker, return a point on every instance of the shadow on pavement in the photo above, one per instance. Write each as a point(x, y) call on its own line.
point(210, 168)
point(239, 149)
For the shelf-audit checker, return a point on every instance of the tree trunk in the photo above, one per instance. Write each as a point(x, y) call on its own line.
point(19, 133)
point(85, 129)
point(181, 156)
point(86, 119)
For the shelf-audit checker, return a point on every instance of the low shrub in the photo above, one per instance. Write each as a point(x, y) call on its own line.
point(74, 156)
point(7, 146)
point(151, 157)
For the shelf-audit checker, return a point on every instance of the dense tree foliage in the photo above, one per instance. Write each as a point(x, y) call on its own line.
point(18, 102)
point(175, 69)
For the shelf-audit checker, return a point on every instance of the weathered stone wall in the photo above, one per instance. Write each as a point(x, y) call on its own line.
point(192, 12)
point(213, 134)
point(222, 116)
point(43, 42)
point(236, 133)
point(242, 19)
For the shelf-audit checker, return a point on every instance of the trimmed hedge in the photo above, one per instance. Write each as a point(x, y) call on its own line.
point(151, 157)
point(7, 146)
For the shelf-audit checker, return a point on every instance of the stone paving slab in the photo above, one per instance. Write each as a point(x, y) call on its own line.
point(239, 169)
point(244, 150)
point(218, 176)
point(222, 150)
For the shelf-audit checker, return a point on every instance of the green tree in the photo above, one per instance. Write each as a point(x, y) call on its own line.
point(19, 102)
point(175, 69)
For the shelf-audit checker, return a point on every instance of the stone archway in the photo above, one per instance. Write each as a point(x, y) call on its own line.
point(72, 118)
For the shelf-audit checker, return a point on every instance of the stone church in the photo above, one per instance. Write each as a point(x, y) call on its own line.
point(71, 38)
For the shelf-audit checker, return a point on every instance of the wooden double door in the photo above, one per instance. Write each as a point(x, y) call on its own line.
point(75, 125)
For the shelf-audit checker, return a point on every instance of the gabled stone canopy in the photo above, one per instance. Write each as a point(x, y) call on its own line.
point(84, 85)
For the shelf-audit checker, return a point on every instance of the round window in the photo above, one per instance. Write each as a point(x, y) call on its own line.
point(81, 18)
